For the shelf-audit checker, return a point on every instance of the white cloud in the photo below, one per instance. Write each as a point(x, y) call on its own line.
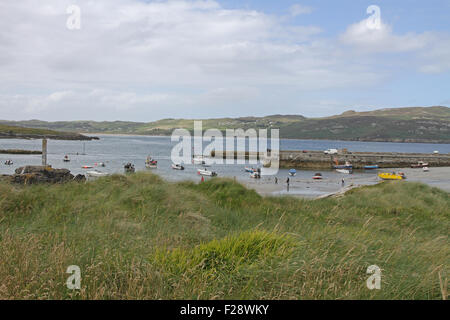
point(382, 39)
point(146, 60)
point(298, 9)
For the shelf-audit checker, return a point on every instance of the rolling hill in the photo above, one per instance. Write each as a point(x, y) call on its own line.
point(414, 124)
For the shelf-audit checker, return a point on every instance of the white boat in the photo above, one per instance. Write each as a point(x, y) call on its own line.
point(343, 171)
point(96, 174)
point(426, 169)
point(200, 160)
point(66, 158)
point(206, 172)
point(177, 166)
point(255, 175)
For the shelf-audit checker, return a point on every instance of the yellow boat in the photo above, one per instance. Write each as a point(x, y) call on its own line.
point(391, 176)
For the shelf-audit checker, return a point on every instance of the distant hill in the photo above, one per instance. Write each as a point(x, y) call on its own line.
point(17, 132)
point(415, 124)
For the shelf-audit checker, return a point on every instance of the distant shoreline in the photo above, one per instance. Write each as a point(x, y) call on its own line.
point(309, 139)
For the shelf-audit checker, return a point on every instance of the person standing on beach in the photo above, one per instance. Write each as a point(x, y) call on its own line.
point(287, 182)
point(276, 180)
point(342, 182)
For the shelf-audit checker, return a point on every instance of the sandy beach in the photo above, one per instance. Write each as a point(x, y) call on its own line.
point(308, 188)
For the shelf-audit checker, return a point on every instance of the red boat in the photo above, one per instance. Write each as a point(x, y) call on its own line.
point(317, 176)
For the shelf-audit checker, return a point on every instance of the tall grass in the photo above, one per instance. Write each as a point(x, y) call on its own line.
point(139, 237)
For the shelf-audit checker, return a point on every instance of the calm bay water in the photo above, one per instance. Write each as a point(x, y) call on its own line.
point(116, 150)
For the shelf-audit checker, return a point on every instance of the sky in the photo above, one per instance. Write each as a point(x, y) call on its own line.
point(139, 60)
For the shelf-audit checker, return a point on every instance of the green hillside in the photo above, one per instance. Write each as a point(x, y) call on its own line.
point(416, 124)
point(16, 132)
point(139, 237)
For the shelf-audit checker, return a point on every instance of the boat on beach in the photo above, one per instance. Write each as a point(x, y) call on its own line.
point(248, 169)
point(426, 169)
point(9, 162)
point(292, 172)
point(177, 166)
point(392, 176)
point(86, 167)
point(206, 172)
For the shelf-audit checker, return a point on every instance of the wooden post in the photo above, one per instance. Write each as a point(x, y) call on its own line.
point(44, 152)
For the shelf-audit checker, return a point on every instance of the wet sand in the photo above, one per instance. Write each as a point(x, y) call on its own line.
point(308, 188)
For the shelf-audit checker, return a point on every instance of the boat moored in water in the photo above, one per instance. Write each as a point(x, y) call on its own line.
point(66, 158)
point(206, 172)
point(419, 164)
point(255, 175)
point(129, 168)
point(347, 165)
point(371, 167)
point(317, 176)
point(177, 166)
point(151, 163)
point(346, 171)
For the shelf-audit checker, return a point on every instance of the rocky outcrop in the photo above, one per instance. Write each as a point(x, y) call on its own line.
point(43, 174)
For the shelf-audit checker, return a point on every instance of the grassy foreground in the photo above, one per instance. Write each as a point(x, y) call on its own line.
point(137, 237)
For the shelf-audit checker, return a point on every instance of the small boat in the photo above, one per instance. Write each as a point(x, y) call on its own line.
point(206, 172)
point(96, 174)
point(129, 168)
point(151, 163)
point(177, 166)
point(419, 164)
point(426, 169)
point(292, 172)
point(346, 171)
point(86, 167)
point(255, 175)
point(318, 176)
point(101, 164)
point(66, 158)
point(371, 167)
point(347, 165)
point(198, 160)
point(9, 162)
point(392, 176)
point(248, 169)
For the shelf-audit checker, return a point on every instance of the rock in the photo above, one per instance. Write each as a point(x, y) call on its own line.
point(41, 174)
point(79, 178)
